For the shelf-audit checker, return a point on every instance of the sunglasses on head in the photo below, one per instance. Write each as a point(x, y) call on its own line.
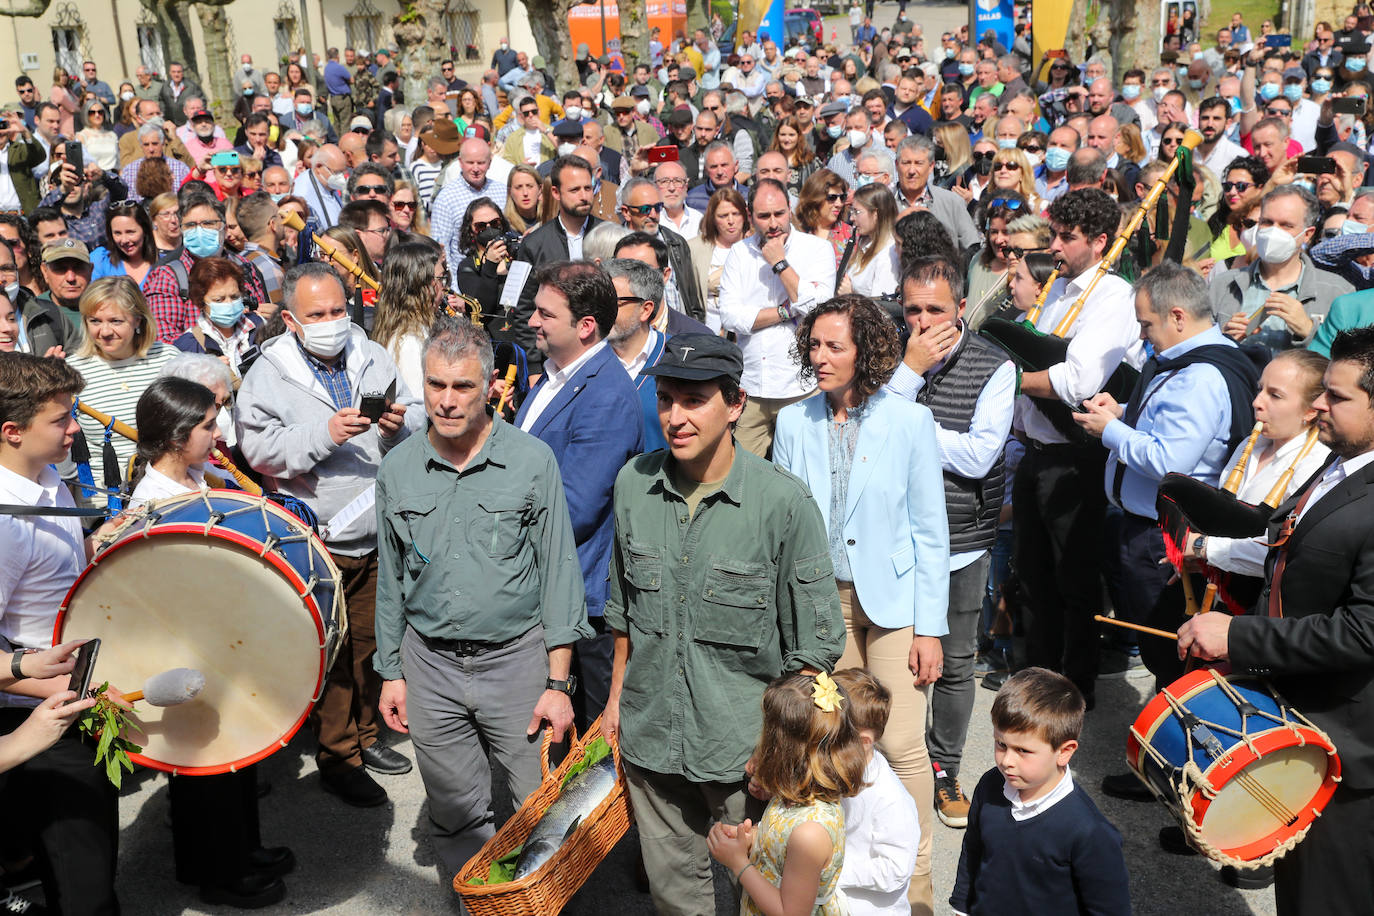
point(1007, 203)
point(125, 205)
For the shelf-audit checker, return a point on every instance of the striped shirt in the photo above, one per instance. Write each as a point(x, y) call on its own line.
point(114, 387)
point(129, 174)
point(449, 209)
point(425, 174)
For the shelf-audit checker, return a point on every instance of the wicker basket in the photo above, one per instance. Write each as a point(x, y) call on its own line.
point(544, 892)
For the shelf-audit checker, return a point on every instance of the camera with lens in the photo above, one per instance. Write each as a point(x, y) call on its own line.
point(496, 233)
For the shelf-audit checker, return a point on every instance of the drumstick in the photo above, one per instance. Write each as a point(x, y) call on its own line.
point(511, 371)
point(1163, 634)
point(170, 688)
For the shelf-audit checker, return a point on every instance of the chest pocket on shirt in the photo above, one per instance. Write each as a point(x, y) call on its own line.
point(405, 518)
point(502, 527)
point(735, 604)
point(644, 572)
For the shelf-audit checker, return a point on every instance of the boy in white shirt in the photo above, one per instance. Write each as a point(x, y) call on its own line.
point(881, 828)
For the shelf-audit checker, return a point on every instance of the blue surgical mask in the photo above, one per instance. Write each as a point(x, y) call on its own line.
point(1130, 92)
point(305, 110)
point(949, 53)
point(1293, 93)
point(1321, 87)
point(1350, 227)
point(1354, 64)
point(966, 69)
point(226, 314)
point(248, 90)
point(1056, 159)
point(278, 198)
point(863, 181)
point(1304, 183)
point(835, 131)
point(1235, 103)
point(1269, 91)
point(1197, 84)
point(202, 241)
point(1182, 71)
point(1006, 143)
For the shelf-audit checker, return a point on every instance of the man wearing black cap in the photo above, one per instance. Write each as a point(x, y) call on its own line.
point(706, 519)
point(829, 129)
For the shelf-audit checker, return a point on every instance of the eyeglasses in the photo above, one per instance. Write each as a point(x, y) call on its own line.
point(1006, 167)
point(1171, 141)
point(1241, 186)
point(671, 182)
point(479, 228)
point(1276, 110)
point(378, 189)
point(528, 112)
point(1007, 203)
point(215, 224)
point(230, 169)
point(628, 300)
point(385, 230)
point(403, 205)
point(645, 209)
point(1033, 148)
point(1019, 253)
point(95, 111)
point(835, 198)
point(253, 175)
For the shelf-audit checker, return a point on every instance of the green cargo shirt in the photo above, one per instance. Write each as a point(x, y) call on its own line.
point(480, 554)
point(716, 605)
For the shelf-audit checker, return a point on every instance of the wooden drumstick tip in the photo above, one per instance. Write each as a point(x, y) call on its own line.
point(1163, 634)
point(133, 696)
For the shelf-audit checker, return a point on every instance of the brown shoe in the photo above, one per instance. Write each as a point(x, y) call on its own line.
point(950, 803)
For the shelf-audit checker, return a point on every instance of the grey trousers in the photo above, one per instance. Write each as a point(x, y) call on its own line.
point(951, 699)
point(673, 815)
point(458, 705)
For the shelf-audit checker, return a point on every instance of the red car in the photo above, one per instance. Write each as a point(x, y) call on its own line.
point(810, 17)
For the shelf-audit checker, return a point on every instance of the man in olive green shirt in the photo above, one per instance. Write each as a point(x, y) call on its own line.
point(479, 594)
point(720, 581)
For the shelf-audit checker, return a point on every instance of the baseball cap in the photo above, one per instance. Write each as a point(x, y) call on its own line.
point(567, 128)
point(67, 248)
point(203, 113)
point(686, 72)
point(639, 92)
point(1295, 73)
point(698, 357)
point(477, 132)
point(360, 122)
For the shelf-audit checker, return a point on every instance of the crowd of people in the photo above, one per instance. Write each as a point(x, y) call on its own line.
point(648, 340)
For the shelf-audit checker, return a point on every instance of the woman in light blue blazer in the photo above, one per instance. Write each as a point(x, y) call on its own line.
point(871, 460)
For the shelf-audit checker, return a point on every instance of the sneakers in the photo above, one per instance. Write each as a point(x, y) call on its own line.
point(1116, 664)
point(950, 803)
point(13, 903)
point(989, 662)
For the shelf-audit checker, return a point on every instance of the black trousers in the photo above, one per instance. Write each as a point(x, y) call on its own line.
point(214, 825)
point(63, 804)
point(1058, 505)
point(1332, 870)
point(1147, 598)
point(592, 660)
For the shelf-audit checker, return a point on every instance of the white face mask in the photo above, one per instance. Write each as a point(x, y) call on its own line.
point(573, 113)
point(224, 422)
point(1158, 93)
point(857, 138)
point(642, 106)
point(566, 148)
point(11, 291)
point(325, 338)
point(337, 182)
point(1274, 245)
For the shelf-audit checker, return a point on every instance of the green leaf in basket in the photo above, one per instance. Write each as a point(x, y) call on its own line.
point(501, 871)
point(591, 755)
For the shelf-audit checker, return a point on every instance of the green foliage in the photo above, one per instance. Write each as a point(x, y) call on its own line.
point(593, 754)
point(108, 720)
point(502, 870)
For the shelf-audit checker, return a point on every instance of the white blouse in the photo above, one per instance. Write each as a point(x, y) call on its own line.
point(156, 485)
point(1245, 556)
point(880, 277)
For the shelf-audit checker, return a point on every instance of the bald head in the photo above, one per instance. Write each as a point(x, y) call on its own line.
point(591, 155)
point(329, 156)
point(474, 158)
point(593, 135)
point(1102, 133)
point(772, 165)
point(276, 180)
point(352, 145)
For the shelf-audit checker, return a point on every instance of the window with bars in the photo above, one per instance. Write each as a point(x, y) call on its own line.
point(464, 34)
point(363, 27)
point(66, 46)
point(150, 51)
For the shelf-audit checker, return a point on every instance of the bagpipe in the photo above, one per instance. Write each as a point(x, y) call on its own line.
point(1032, 350)
point(1186, 506)
point(331, 251)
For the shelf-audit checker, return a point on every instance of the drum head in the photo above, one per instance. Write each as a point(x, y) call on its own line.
point(1247, 810)
point(179, 599)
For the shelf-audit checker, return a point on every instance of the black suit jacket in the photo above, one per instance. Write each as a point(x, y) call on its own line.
point(1320, 654)
point(171, 106)
point(681, 259)
point(545, 245)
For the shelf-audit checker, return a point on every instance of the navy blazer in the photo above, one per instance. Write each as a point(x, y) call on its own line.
point(594, 425)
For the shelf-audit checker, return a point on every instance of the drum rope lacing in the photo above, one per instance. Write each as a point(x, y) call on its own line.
point(1191, 776)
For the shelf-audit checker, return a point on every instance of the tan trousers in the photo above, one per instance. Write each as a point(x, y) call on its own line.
point(754, 429)
point(884, 653)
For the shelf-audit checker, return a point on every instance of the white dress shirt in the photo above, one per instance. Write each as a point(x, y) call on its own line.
point(969, 454)
point(9, 195)
point(1024, 811)
point(636, 363)
point(690, 226)
point(748, 286)
point(1333, 477)
point(881, 834)
point(1245, 556)
point(1222, 155)
point(43, 554)
point(555, 377)
point(157, 485)
point(1102, 336)
point(881, 275)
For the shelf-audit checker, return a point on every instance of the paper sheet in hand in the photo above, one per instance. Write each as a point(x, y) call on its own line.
point(515, 282)
point(364, 502)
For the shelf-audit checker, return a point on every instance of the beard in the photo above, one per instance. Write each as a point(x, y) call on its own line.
point(1344, 445)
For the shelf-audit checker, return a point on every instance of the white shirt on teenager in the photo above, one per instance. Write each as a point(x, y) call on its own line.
point(157, 485)
point(43, 555)
point(881, 834)
point(555, 377)
point(748, 286)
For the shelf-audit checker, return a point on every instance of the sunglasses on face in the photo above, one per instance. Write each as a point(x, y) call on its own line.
point(645, 209)
point(370, 189)
point(1006, 167)
point(1277, 110)
point(478, 228)
point(1171, 141)
point(1019, 253)
point(1241, 186)
point(1033, 148)
point(528, 112)
point(403, 205)
point(835, 198)
point(985, 154)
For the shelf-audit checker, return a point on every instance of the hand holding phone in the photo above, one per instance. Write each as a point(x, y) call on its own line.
point(1351, 106)
point(666, 153)
point(85, 667)
point(1316, 165)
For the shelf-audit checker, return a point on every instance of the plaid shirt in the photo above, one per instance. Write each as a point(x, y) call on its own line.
point(175, 314)
point(269, 267)
point(450, 206)
point(1338, 255)
point(89, 227)
point(334, 378)
point(130, 174)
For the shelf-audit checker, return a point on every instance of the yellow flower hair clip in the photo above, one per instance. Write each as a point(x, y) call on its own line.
point(825, 694)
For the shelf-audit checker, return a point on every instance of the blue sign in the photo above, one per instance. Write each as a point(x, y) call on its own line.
point(999, 16)
point(771, 25)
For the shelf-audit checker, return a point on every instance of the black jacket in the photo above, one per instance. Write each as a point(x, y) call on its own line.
point(545, 245)
point(681, 259)
point(1318, 656)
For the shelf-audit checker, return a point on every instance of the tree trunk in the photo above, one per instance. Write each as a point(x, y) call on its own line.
point(219, 78)
point(549, 23)
point(698, 16)
point(634, 33)
point(421, 44)
point(175, 26)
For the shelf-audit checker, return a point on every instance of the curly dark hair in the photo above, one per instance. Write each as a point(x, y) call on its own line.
point(467, 239)
point(921, 233)
point(1090, 210)
point(29, 239)
point(877, 347)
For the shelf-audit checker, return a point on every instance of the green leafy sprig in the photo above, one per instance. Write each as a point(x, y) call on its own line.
point(107, 721)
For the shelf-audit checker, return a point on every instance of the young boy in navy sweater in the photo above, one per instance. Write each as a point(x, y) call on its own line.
point(1035, 842)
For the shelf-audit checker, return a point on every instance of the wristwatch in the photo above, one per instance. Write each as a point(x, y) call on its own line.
point(781, 266)
point(17, 662)
point(1200, 548)
point(569, 686)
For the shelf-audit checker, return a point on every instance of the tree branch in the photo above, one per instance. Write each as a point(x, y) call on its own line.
point(35, 9)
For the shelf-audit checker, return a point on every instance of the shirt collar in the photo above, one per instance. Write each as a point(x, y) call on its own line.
point(485, 455)
point(732, 489)
point(641, 359)
point(319, 365)
point(561, 374)
point(1345, 467)
point(43, 492)
point(1023, 810)
point(1211, 336)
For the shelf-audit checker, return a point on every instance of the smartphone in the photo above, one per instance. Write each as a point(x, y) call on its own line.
point(73, 151)
point(85, 668)
point(656, 154)
point(1351, 106)
point(373, 406)
point(1278, 41)
point(1316, 165)
point(1057, 52)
